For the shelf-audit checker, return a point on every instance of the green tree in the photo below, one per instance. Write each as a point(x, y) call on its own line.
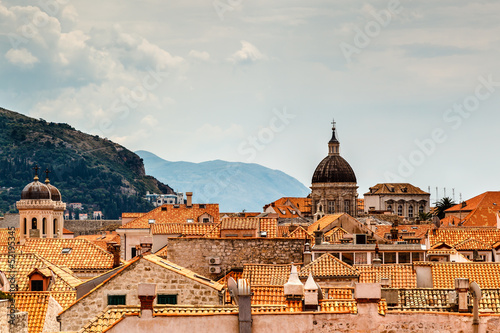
point(422, 216)
point(443, 205)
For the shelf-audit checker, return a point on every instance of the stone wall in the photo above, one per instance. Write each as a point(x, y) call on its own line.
point(51, 323)
point(90, 227)
point(366, 321)
point(193, 253)
point(188, 291)
point(20, 321)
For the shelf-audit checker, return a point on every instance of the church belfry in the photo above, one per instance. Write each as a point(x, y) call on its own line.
point(334, 185)
point(41, 210)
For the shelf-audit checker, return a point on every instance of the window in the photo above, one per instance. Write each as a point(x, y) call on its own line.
point(389, 257)
point(348, 258)
point(202, 206)
point(400, 210)
point(167, 299)
point(25, 225)
point(55, 226)
point(190, 220)
point(116, 300)
point(206, 220)
point(347, 206)
point(410, 211)
point(44, 226)
point(415, 256)
point(389, 208)
point(404, 257)
point(151, 221)
point(33, 223)
point(331, 206)
point(133, 252)
point(360, 258)
point(36, 285)
point(66, 250)
point(421, 209)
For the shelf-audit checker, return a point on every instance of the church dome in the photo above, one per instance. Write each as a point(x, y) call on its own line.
point(55, 195)
point(334, 169)
point(35, 190)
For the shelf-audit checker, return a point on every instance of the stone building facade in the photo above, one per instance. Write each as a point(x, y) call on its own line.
point(180, 282)
point(402, 199)
point(195, 253)
point(334, 185)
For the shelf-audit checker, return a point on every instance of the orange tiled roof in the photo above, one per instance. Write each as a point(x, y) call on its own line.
point(162, 252)
point(266, 275)
point(214, 232)
point(283, 231)
point(453, 236)
point(405, 230)
point(84, 255)
point(270, 226)
point(36, 304)
point(394, 188)
point(300, 233)
point(302, 204)
point(472, 244)
point(323, 222)
point(401, 275)
point(4, 236)
point(450, 221)
point(335, 235)
point(339, 306)
point(28, 262)
point(483, 210)
point(268, 295)
point(132, 215)
point(184, 229)
point(328, 266)
point(171, 214)
point(338, 293)
point(240, 223)
point(486, 275)
point(102, 240)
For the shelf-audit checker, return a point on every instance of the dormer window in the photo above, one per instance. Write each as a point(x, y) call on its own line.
point(66, 250)
point(39, 279)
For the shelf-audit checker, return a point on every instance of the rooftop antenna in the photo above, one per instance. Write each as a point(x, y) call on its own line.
point(444, 192)
point(437, 194)
point(453, 195)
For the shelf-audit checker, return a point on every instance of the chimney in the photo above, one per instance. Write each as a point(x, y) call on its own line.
point(376, 262)
point(311, 294)
point(147, 294)
point(189, 199)
point(318, 237)
point(114, 249)
point(462, 289)
point(244, 306)
point(146, 244)
point(294, 289)
point(307, 253)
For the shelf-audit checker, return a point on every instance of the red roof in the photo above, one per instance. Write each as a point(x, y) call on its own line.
point(481, 210)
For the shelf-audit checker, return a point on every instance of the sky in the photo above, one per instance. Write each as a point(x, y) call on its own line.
point(414, 86)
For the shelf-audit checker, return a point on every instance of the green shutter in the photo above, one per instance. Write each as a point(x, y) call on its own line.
point(116, 299)
point(167, 299)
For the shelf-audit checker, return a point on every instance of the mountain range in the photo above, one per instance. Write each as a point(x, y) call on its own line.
point(235, 186)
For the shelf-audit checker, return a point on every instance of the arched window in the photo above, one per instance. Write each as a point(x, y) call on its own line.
point(55, 227)
point(410, 211)
point(347, 206)
point(389, 208)
point(331, 206)
point(400, 210)
point(34, 223)
point(25, 226)
point(44, 226)
point(421, 209)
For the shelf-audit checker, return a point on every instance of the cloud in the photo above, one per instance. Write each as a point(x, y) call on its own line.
point(248, 54)
point(21, 58)
point(199, 55)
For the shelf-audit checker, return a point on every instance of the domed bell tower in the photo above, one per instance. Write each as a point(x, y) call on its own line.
point(334, 185)
point(41, 210)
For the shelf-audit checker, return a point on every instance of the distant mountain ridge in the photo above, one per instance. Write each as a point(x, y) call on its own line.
point(235, 186)
point(86, 168)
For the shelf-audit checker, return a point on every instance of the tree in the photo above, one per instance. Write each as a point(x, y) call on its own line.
point(422, 216)
point(443, 205)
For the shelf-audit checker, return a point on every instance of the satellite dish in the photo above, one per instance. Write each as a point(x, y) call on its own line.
point(320, 292)
point(232, 286)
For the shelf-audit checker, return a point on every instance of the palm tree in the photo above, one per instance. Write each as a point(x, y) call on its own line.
point(443, 205)
point(422, 216)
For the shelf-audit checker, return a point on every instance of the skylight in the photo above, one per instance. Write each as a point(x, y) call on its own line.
point(66, 250)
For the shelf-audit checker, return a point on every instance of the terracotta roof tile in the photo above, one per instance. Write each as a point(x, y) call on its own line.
point(405, 230)
point(481, 210)
point(472, 244)
point(36, 304)
point(27, 262)
point(421, 299)
point(339, 306)
point(283, 231)
point(302, 204)
point(401, 275)
point(301, 233)
point(102, 240)
point(162, 252)
point(268, 295)
point(335, 235)
point(338, 293)
point(240, 223)
point(214, 232)
point(486, 275)
point(4, 236)
point(270, 226)
point(84, 255)
point(323, 222)
point(454, 236)
point(328, 266)
point(171, 214)
point(184, 229)
point(395, 188)
point(266, 275)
